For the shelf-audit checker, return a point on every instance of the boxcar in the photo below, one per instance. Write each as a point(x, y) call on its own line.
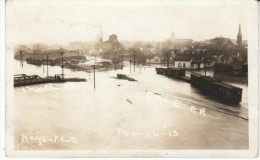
point(161, 70)
point(175, 72)
point(223, 91)
point(226, 92)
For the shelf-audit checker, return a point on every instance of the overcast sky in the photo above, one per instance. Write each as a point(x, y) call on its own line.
point(59, 21)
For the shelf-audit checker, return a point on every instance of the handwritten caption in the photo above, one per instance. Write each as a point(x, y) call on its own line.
point(196, 110)
point(45, 88)
point(147, 133)
point(175, 103)
point(40, 140)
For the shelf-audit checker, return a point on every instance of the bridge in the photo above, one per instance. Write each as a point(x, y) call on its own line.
point(25, 80)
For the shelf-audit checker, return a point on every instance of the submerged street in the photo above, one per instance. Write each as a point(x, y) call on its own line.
point(156, 112)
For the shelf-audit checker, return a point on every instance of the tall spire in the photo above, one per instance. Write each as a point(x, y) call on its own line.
point(239, 31)
point(239, 36)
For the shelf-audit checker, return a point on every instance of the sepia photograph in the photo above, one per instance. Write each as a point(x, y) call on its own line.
point(144, 78)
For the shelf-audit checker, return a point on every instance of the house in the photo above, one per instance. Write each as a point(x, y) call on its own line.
point(230, 58)
point(183, 61)
point(197, 61)
point(217, 55)
point(104, 64)
point(155, 60)
point(192, 61)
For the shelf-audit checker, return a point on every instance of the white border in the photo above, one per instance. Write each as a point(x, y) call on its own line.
point(2, 78)
point(253, 110)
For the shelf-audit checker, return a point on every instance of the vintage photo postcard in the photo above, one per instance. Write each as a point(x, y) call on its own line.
point(123, 78)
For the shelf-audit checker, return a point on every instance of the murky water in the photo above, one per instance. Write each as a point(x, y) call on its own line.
point(156, 112)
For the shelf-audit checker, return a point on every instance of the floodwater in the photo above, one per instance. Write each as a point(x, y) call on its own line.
point(156, 112)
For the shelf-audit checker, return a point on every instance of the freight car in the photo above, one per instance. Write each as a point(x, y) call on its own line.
point(161, 70)
point(211, 86)
point(171, 72)
point(175, 72)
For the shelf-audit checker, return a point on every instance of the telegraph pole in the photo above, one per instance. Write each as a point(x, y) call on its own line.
point(149, 50)
point(116, 61)
point(43, 65)
point(130, 60)
point(34, 52)
point(94, 77)
point(21, 58)
point(134, 61)
point(78, 56)
point(205, 62)
point(62, 69)
point(168, 58)
point(205, 66)
point(47, 66)
point(149, 58)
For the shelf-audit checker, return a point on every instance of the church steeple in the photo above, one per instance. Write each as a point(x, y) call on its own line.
point(239, 36)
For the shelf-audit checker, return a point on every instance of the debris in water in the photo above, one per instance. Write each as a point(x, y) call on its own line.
point(123, 76)
point(129, 101)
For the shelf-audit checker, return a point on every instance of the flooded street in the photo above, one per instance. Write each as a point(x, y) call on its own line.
point(156, 112)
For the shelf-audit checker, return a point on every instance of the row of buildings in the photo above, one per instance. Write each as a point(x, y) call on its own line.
point(205, 54)
point(179, 53)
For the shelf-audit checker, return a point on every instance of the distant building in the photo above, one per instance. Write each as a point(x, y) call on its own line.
point(182, 61)
point(113, 49)
point(222, 43)
point(84, 47)
point(112, 44)
point(105, 64)
point(217, 56)
point(155, 60)
point(239, 37)
point(192, 61)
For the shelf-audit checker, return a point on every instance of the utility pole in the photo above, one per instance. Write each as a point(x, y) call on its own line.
point(94, 77)
point(34, 52)
point(43, 64)
point(78, 56)
point(205, 67)
point(130, 61)
point(134, 61)
point(21, 58)
point(149, 58)
point(62, 69)
point(47, 66)
point(115, 61)
point(43, 67)
point(205, 63)
point(168, 58)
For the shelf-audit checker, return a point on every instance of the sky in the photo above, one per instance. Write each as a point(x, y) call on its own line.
point(63, 21)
